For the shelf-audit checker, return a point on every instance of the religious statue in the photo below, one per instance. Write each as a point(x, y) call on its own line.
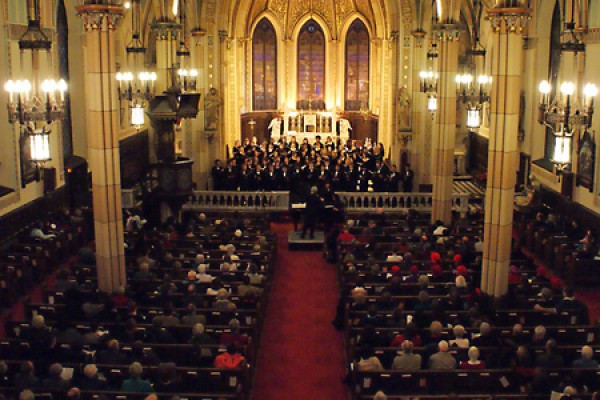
point(345, 128)
point(404, 111)
point(212, 103)
point(275, 127)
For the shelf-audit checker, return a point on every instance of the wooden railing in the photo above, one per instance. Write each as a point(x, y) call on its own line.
point(279, 201)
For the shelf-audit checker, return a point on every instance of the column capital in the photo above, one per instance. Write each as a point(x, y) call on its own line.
point(509, 20)
point(165, 29)
point(95, 15)
point(448, 32)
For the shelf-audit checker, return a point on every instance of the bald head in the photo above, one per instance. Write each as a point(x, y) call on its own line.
point(443, 346)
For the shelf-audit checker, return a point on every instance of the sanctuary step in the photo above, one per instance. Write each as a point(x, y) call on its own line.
point(295, 242)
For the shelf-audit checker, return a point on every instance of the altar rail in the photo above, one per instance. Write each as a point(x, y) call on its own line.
point(279, 201)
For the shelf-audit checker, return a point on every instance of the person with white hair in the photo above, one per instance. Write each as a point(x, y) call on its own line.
point(408, 360)
point(473, 362)
point(90, 380)
point(587, 359)
point(135, 383)
point(459, 340)
point(380, 396)
point(202, 276)
point(442, 359)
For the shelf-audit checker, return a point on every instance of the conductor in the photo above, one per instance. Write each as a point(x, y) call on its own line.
point(314, 204)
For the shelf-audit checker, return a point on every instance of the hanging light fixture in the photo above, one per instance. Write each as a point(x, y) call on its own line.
point(473, 118)
point(432, 103)
point(39, 144)
point(29, 100)
point(136, 87)
point(473, 89)
point(429, 77)
point(564, 116)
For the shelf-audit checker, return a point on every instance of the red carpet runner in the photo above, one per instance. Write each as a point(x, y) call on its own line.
point(302, 355)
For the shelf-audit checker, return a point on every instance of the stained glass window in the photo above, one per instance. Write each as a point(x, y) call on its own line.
point(357, 67)
point(264, 66)
point(311, 66)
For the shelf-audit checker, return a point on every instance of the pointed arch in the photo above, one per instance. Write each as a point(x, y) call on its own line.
point(357, 66)
point(264, 66)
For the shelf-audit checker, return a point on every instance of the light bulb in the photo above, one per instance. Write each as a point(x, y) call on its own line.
point(423, 75)
point(127, 5)
point(10, 86)
point(26, 86)
point(590, 90)
point(545, 87)
point(153, 76)
point(49, 86)
point(567, 88)
point(194, 73)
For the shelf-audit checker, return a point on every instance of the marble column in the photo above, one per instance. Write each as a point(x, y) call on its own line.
point(503, 157)
point(100, 22)
point(445, 128)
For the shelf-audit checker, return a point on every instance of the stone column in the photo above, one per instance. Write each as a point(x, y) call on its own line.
point(507, 27)
point(444, 135)
point(100, 21)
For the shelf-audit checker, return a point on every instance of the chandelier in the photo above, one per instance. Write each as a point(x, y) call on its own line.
point(564, 115)
point(136, 86)
point(474, 94)
point(429, 78)
point(33, 101)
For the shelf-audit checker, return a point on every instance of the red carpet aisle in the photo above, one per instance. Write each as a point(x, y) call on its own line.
point(302, 355)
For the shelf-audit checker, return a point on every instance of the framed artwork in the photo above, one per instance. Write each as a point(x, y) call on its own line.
point(586, 160)
point(29, 171)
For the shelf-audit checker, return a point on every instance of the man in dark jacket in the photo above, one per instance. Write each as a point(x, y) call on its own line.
point(314, 204)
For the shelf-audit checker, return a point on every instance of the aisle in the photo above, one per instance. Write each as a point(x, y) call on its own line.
point(302, 355)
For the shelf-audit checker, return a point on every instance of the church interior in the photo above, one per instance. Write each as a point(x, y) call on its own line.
point(299, 199)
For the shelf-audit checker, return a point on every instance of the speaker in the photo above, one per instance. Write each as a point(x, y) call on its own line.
point(49, 176)
point(567, 180)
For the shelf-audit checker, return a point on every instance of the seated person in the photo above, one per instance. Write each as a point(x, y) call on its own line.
point(135, 383)
point(231, 359)
point(473, 362)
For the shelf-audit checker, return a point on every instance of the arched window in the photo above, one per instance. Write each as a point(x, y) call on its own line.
point(264, 66)
point(553, 71)
point(357, 67)
point(311, 66)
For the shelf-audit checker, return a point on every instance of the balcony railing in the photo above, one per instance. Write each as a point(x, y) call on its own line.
point(280, 201)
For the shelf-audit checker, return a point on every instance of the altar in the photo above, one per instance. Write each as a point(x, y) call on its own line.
point(308, 125)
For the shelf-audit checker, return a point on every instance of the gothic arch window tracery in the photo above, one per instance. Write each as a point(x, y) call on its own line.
point(311, 66)
point(264, 66)
point(357, 67)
